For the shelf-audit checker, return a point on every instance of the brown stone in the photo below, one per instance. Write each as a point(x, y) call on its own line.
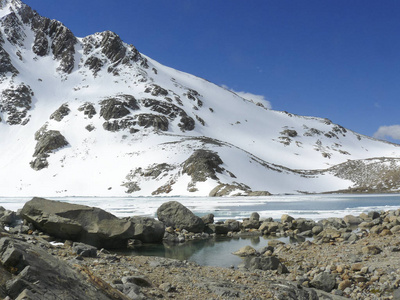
point(340, 268)
point(345, 277)
point(245, 251)
point(364, 216)
point(344, 284)
point(371, 250)
point(356, 267)
point(352, 220)
point(274, 243)
point(395, 229)
point(374, 278)
point(359, 278)
point(286, 218)
point(385, 232)
point(377, 229)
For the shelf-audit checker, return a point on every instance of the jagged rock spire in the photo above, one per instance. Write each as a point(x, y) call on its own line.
point(15, 3)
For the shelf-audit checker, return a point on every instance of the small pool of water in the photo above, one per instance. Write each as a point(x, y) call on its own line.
point(210, 252)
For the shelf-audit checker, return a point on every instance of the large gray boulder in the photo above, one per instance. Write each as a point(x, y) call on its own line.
point(264, 263)
point(7, 217)
point(29, 272)
point(79, 223)
point(252, 222)
point(148, 230)
point(176, 215)
point(324, 281)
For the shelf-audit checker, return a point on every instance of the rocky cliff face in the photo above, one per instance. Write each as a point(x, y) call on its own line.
point(93, 116)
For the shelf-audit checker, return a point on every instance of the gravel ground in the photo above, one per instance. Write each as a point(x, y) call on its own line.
point(359, 272)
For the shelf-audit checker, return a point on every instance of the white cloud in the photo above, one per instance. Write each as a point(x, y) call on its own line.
point(385, 132)
point(251, 97)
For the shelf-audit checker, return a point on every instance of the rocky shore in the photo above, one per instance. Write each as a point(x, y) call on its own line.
point(54, 250)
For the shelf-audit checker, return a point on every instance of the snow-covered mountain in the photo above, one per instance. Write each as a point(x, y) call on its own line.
point(93, 116)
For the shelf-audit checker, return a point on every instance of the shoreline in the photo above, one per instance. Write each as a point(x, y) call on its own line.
point(361, 264)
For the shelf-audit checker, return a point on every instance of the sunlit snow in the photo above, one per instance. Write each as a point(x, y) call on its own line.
point(253, 143)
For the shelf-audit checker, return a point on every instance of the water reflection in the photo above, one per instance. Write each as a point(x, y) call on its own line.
point(212, 252)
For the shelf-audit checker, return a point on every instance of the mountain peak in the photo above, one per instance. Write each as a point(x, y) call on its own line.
point(9, 3)
point(94, 116)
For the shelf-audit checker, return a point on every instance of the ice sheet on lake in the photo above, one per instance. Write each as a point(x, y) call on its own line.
point(306, 206)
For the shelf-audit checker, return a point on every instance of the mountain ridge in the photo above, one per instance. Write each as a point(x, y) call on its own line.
point(93, 116)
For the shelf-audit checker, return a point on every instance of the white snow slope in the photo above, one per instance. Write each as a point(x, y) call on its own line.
point(260, 149)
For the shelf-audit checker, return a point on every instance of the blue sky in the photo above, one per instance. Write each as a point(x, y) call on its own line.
point(335, 59)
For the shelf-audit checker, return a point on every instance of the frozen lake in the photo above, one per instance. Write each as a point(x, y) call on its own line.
point(217, 252)
point(314, 207)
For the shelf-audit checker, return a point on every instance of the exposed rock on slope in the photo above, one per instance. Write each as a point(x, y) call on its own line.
point(116, 108)
point(16, 102)
point(60, 113)
point(47, 141)
point(202, 164)
point(374, 175)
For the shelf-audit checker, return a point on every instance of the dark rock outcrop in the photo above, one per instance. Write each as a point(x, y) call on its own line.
point(80, 223)
point(16, 102)
point(194, 96)
point(88, 109)
point(156, 121)
point(60, 113)
point(95, 64)
point(117, 107)
point(202, 164)
point(121, 124)
point(40, 162)
point(63, 45)
point(114, 50)
point(13, 30)
point(41, 44)
point(176, 215)
point(51, 140)
point(5, 63)
point(47, 142)
point(152, 172)
point(156, 90)
point(49, 35)
point(186, 124)
point(171, 111)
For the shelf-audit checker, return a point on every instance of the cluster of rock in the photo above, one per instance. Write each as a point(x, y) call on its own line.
point(354, 256)
point(16, 103)
point(353, 279)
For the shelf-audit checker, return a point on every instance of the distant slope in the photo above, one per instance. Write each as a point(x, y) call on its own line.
point(93, 116)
